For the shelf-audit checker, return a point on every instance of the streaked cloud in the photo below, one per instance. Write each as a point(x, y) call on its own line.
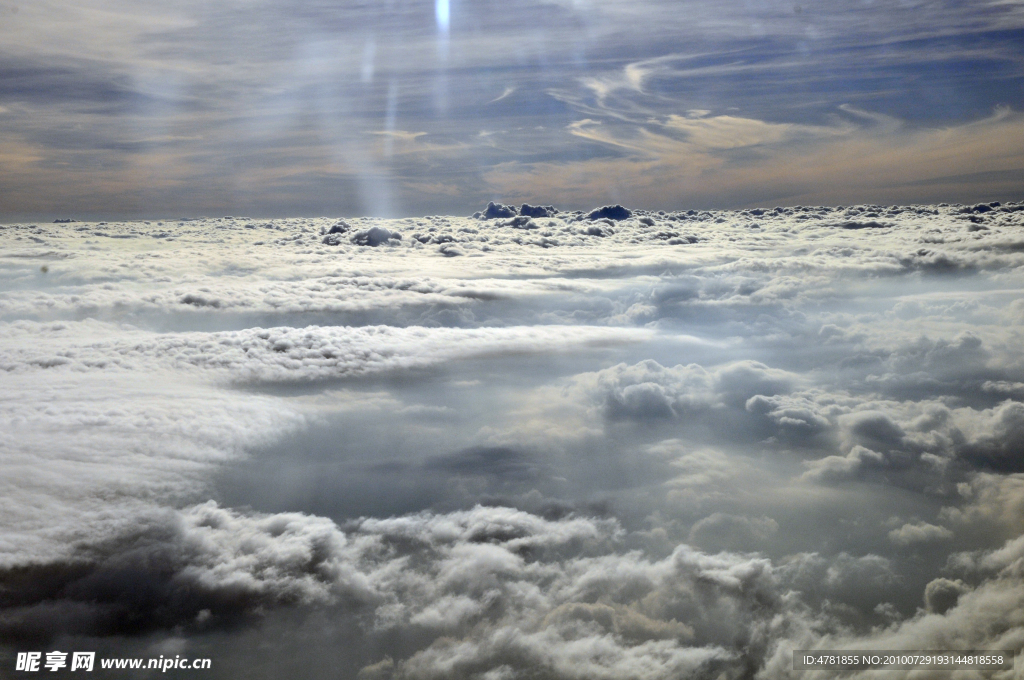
point(133, 110)
point(700, 161)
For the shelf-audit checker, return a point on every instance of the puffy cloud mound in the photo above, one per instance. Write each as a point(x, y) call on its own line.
point(837, 468)
point(611, 212)
point(942, 594)
point(181, 568)
point(650, 391)
point(922, 532)
point(374, 236)
point(206, 565)
point(537, 210)
point(497, 210)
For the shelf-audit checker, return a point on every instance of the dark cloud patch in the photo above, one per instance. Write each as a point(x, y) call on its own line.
point(942, 594)
point(79, 85)
point(875, 428)
point(174, 570)
point(500, 462)
point(1000, 447)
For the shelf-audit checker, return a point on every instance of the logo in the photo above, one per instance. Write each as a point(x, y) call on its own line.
point(55, 660)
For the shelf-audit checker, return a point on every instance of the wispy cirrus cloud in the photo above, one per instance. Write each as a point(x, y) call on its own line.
point(126, 108)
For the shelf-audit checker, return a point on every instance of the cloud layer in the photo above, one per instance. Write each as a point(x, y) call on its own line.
point(594, 444)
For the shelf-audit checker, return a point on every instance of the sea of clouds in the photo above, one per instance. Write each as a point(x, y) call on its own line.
point(615, 444)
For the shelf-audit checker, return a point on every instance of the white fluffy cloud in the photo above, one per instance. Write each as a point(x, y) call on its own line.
point(919, 533)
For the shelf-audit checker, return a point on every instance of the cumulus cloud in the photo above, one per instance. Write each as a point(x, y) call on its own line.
point(206, 565)
point(942, 594)
point(648, 390)
point(837, 468)
point(921, 532)
point(173, 569)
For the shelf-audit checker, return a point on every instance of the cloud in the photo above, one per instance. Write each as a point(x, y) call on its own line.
point(837, 468)
point(990, 499)
point(400, 135)
point(922, 532)
point(723, 532)
point(731, 132)
point(942, 594)
point(508, 90)
point(294, 354)
point(650, 391)
point(999, 438)
point(173, 569)
point(207, 565)
point(83, 454)
point(800, 157)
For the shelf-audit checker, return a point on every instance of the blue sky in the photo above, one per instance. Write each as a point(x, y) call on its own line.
point(120, 109)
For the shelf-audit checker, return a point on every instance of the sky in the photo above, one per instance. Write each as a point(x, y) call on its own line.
point(662, 445)
point(117, 109)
